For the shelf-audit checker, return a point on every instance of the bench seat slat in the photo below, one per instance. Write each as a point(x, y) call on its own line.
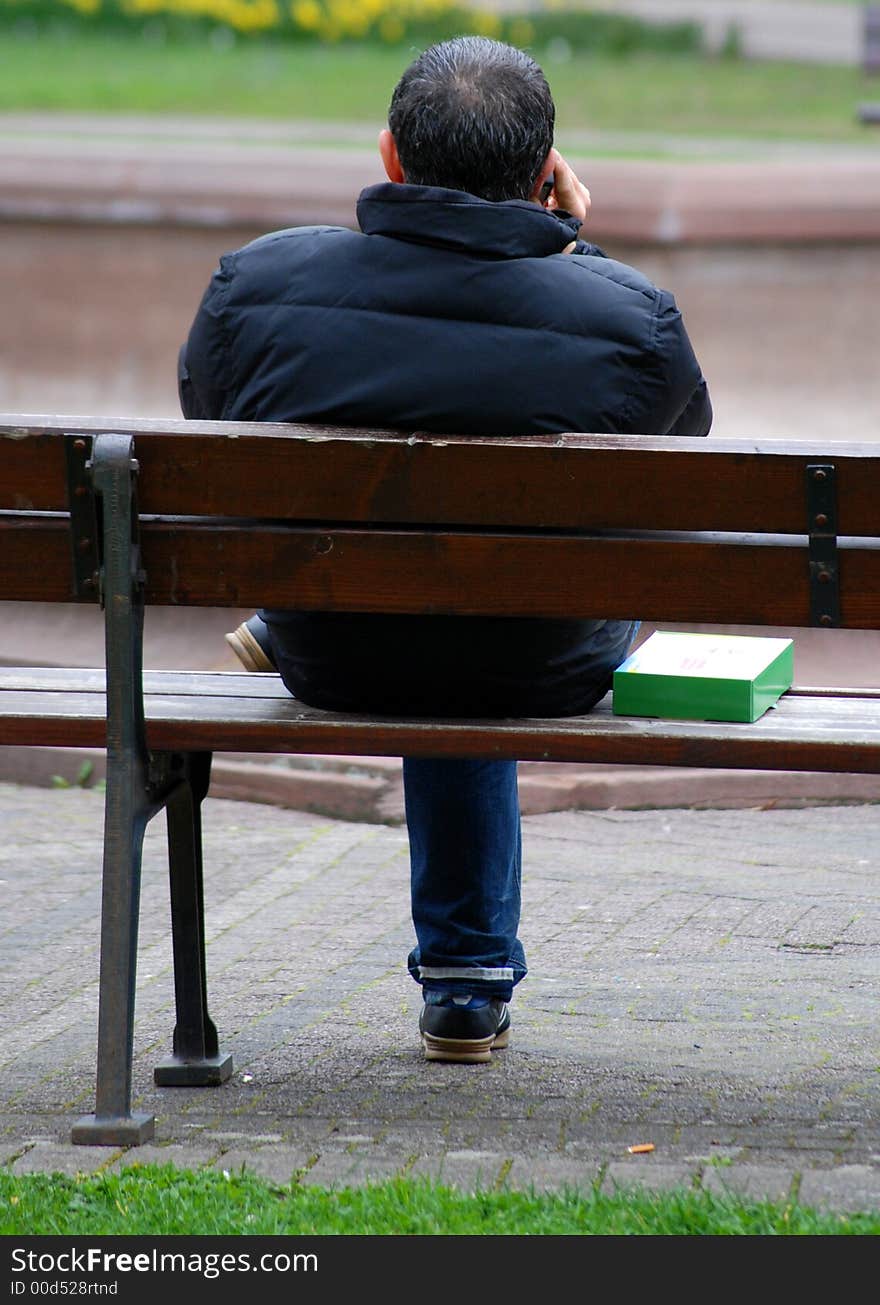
point(44, 679)
point(250, 685)
point(254, 713)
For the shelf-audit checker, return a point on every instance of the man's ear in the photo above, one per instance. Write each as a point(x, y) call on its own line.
point(546, 169)
point(390, 157)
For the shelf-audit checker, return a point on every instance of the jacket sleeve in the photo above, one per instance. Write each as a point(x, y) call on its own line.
point(202, 363)
point(695, 417)
point(673, 397)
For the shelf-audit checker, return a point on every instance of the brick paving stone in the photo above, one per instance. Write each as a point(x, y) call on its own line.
point(277, 1163)
point(465, 1170)
point(181, 1156)
point(56, 1158)
point(551, 1173)
point(335, 1169)
point(757, 1182)
point(647, 1174)
point(849, 1187)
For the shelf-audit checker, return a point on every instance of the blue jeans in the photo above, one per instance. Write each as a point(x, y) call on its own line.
point(465, 841)
point(465, 871)
point(463, 821)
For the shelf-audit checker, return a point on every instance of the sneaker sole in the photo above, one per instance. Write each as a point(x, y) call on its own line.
point(248, 651)
point(464, 1051)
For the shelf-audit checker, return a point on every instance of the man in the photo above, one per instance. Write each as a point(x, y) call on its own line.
point(467, 303)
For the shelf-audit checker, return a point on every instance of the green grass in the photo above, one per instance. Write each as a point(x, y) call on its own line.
point(160, 1201)
point(701, 97)
point(644, 92)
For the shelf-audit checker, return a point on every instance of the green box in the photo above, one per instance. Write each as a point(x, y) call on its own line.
point(703, 676)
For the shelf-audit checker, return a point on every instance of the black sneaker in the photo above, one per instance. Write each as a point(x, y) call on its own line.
point(250, 643)
point(463, 1028)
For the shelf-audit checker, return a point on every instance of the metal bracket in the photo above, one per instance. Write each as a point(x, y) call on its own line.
point(822, 531)
point(165, 770)
point(85, 526)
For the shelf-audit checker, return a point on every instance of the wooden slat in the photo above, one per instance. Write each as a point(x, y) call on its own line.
point(802, 733)
point(86, 680)
point(35, 559)
point(711, 579)
point(705, 579)
point(32, 472)
point(572, 481)
point(268, 685)
point(563, 483)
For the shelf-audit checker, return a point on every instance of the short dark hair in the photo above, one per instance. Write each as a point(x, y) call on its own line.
point(473, 114)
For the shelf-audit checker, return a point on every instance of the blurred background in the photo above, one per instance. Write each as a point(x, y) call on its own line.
point(728, 146)
point(732, 149)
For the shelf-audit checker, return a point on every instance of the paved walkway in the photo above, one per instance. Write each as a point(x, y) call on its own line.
point(765, 29)
point(701, 981)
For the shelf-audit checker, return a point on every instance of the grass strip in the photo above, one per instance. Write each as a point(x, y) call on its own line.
point(163, 1200)
point(83, 71)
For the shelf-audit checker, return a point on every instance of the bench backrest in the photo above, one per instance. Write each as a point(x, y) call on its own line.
point(246, 515)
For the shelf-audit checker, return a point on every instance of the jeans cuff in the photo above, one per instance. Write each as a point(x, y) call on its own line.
point(490, 981)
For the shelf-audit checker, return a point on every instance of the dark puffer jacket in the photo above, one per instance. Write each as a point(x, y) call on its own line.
point(450, 314)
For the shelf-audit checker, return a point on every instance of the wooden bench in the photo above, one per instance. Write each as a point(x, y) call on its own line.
point(133, 514)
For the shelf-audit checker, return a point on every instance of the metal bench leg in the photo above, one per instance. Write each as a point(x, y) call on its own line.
point(196, 1061)
point(126, 816)
point(129, 801)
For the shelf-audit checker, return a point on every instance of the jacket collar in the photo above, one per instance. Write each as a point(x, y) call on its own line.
point(452, 219)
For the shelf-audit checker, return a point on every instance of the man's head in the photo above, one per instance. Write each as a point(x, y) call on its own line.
point(471, 114)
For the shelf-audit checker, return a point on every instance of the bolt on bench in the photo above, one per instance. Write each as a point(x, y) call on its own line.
point(136, 514)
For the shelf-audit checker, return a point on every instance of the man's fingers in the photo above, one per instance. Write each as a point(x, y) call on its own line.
point(569, 192)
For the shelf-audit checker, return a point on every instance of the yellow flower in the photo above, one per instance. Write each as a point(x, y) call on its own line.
point(392, 29)
point(521, 32)
point(330, 20)
point(307, 14)
point(486, 24)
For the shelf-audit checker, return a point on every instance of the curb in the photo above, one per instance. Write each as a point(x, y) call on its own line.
point(370, 789)
point(131, 179)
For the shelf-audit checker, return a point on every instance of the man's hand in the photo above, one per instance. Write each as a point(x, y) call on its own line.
point(568, 192)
